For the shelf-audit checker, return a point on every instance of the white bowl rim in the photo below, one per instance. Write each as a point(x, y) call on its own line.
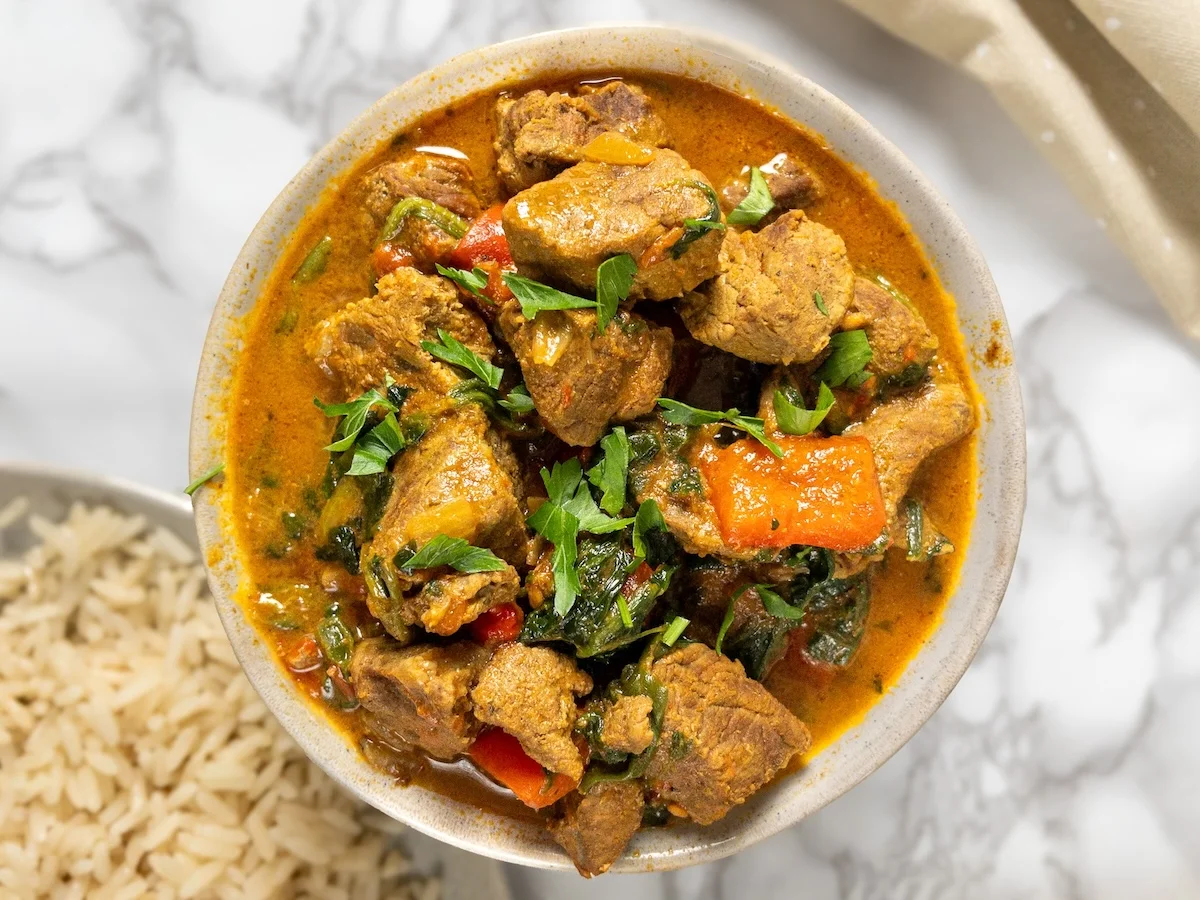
point(929, 677)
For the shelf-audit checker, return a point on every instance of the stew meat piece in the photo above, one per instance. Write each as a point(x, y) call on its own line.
point(791, 185)
point(443, 180)
point(419, 694)
point(627, 724)
point(901, 342)
point(724, 736)
point(907, 430)
point(379, 335)
point(595, 827)
point(530, 692)
point(579, 380)
point(462, 480)
point(561, 230)
point(539, 134)
point(762, 306)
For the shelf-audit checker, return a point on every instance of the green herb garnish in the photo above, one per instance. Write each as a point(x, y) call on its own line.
point(694, 229)
point(614, 278)
point(375, 450)
point(336, 638)
point(674, 629)
point(794, 418)
point(354, 413)
point(204, 479)
point(649, 518)
point(420, 208)
point(473, 282)
point(518, 402)
point(610, 473)
point(456, 553)
point(757, 202)
point(536, 297)
point(849, 354)
point(819, 301)
point(681, 414)
point(314, 263)
point(453, 351)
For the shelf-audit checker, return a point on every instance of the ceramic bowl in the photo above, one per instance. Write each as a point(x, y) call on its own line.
point(993, 542)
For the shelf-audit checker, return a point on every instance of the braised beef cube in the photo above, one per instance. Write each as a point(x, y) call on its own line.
point(672, 478)
point(594, 828)
point(530, 692)
point(724, 736)
point(627, 724)
point(367, 339)
point(563, 229)
point(909, 428)
point(443, 180)
point(763, 305)
point(460, 479)
point(443, 604)
point(539, 134)
point(579, 380)
point(419, 695)
point(902, 346)
point(791, 185)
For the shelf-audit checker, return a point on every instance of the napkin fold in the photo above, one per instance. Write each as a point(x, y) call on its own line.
point(1109, 91)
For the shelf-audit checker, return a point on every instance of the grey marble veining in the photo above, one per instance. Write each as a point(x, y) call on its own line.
point(140, 141)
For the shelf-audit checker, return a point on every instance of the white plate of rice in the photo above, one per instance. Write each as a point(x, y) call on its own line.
point(135, 758)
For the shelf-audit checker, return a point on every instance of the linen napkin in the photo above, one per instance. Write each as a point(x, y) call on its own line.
point(1109, 91)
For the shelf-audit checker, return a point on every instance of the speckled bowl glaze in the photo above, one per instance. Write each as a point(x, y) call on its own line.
point(993, 543)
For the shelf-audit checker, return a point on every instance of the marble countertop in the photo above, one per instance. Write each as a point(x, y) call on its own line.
point(139, 142)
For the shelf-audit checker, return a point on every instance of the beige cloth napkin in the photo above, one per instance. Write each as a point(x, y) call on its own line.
point(1109, 91)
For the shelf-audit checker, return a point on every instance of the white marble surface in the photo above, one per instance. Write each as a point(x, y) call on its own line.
point(139, 142)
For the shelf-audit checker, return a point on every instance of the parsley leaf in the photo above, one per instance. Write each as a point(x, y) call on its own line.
point(313, 266)
point(456, 553)
point(681, 414)
point(204, 479)
point(649, 517)
point(793, 417)
point(778, 607)
point(518, 401)
point(355, 414)
point(610, 473)
point(373, 452)
point(614, 278)
point(820, 303)
point(757, 202)
point(535, 297)
point(694, 229)
point(473, 282)
point(456, 353)
point(850, 353)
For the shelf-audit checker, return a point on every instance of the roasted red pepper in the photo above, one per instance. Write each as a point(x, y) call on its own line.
point(501, 755)
point(498, 625)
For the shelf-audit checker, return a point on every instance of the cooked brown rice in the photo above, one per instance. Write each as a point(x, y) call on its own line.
point(135, 758)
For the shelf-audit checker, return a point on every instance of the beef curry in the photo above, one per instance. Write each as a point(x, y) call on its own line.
point(595, 463)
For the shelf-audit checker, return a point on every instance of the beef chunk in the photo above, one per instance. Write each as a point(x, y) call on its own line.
point(627, 724)
point(461, 480)
point(907, 430)
point(579, 380)
point(724, 736)
point(791, 185)
point(530, 692)
point(539, 134)
point(445, 180)
point(902, 346)
point(382, 335)
point(444, 604)
point(595, 827)
point(419, 695)
point(672, 478)
point(562, 229)
point(762, 307)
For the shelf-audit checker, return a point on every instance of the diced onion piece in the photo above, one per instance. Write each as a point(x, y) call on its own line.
point(614, 148)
